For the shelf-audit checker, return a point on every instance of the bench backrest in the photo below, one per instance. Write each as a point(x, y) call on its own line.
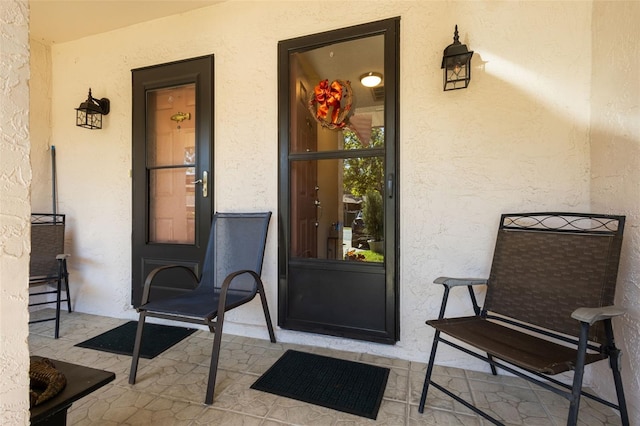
point(546, 265)
point(47, 241)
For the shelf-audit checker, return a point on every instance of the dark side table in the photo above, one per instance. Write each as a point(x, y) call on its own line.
point(81, 381)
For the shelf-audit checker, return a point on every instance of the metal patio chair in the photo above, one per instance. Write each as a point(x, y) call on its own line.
point(48, 265)
point(230, 278)
point(548, 305)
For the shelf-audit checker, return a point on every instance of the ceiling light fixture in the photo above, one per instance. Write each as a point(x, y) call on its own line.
point(371, 79)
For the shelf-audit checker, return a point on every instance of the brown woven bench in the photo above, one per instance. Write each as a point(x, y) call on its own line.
point(548, 305)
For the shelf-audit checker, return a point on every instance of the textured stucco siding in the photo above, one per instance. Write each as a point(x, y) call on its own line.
point(15, 178)
point(615, 172)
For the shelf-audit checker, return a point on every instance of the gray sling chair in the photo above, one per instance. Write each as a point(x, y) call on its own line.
point(230, 278)
point(553, 276)
point(48, 272)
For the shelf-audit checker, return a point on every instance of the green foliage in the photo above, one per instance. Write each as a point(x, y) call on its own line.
point(363, 173)
point(370, 256)
point(373, 214)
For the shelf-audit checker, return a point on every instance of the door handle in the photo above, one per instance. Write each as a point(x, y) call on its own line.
point(204, 181)
point(390, 185)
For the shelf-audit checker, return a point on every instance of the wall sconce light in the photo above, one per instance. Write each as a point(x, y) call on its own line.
point(89, 113)
point(456, 63)
point(371, 79)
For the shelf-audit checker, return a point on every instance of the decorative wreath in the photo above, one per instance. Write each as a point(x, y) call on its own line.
point(337, 97)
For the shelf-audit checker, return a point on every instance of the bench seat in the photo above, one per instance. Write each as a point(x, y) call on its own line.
point(513, 346)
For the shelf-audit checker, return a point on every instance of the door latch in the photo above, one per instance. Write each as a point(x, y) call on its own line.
point(205, 184)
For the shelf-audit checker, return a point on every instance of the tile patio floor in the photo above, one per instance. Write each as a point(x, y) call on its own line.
point(170, 388)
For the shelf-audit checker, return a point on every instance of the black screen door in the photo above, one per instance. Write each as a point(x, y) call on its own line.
point(337, 183)
point(172, 160)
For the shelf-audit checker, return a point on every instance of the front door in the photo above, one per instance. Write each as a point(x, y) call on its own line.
point(338, 192)
point(172, 160)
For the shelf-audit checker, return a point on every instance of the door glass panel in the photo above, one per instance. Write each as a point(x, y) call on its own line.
point(172, 206)
point(336, 203)
point(171, 160)
point(342, 101)
point(335, 206)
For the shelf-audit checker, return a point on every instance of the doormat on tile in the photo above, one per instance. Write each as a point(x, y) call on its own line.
point(156, 339)
point(342, 385)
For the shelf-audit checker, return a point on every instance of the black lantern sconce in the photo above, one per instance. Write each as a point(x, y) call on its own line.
point(89, 113)
point(456, 63)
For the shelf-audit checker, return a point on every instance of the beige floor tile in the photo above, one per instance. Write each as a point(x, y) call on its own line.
point(170, 389)
point(435, 417)
point(439, 400)
point(509, 404)
point(239, 397)
point(214, 417)
point(397, 385)
point(291, 411)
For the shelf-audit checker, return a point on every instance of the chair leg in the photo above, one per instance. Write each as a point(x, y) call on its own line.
point(617, 379)
point(136, 348)
point(578, 375)
point(434, 347)
point(66, 284)
point(494, 371)
point(265, 308)
point(614, 363)
point(215, 356)
point(427, 377)
point(58, 301)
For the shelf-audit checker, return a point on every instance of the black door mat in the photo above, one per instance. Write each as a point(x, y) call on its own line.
point(156, 339)
point(342, 385)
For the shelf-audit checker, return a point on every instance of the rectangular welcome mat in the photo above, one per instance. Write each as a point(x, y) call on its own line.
point(156, 339)
point(342, 385)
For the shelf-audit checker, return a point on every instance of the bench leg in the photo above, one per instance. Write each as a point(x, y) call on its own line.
point(427, 378)
point(614, 363)
point(578, 375)
point(66, 284)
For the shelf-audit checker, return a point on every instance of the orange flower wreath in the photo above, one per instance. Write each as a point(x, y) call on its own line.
point(327, 97)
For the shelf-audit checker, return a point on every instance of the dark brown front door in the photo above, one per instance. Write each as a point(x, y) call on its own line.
point(172, 160)
point(304, 183)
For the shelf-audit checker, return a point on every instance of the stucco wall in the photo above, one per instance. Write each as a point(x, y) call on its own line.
point(40, 126)
point(15, 177)
point(517, 139)
point(615, 170)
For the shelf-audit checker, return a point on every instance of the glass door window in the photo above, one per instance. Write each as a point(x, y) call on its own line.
point(171, 161)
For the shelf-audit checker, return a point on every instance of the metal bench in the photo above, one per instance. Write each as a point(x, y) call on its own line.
point(548, 305)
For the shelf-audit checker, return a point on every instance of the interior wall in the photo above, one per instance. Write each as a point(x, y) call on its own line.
point(15, 178)
point(516, 140)
point(615, 172)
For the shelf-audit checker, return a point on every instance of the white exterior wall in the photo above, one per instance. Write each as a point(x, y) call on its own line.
point(515, 140)
point(518, 139)
point(15, 178)
point(615, 172)
point(40, 126)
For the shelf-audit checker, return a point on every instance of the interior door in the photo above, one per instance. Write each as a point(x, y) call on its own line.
point(304, 213)
point(172, 160)
point(337, 187)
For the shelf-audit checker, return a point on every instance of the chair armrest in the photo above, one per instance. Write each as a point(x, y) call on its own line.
point(62, 256)
point(449, 283)
point(224, 288)
point(592, 315)
point(156, 271)
point(455, 282)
